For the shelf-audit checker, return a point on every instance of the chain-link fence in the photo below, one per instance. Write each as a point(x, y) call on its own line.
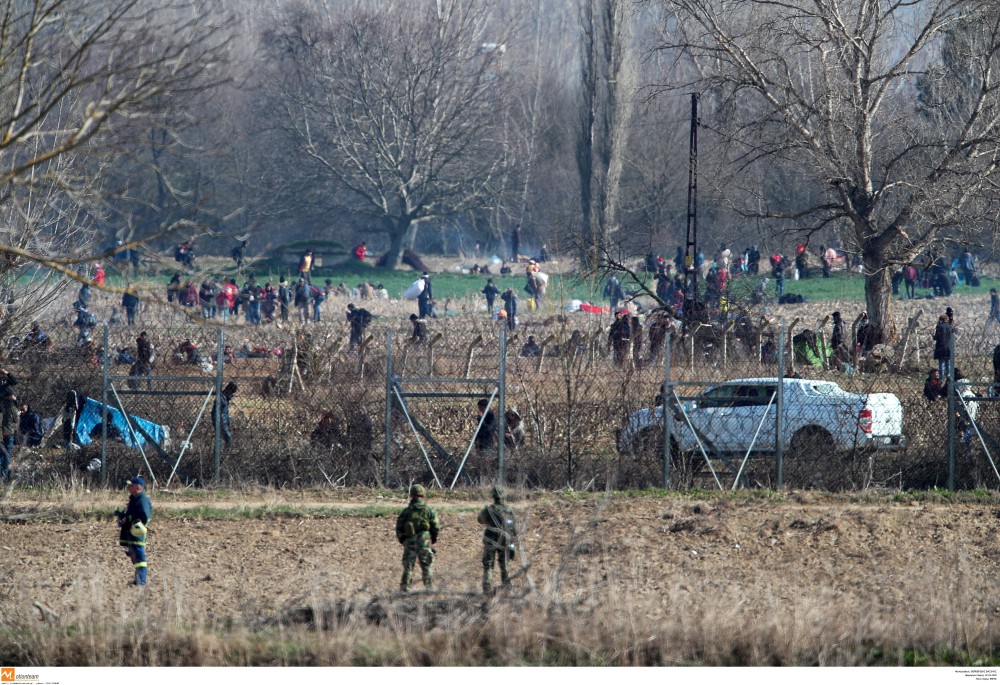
point(581, 405)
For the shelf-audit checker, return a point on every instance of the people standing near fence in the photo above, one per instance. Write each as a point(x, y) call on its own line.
point(302, 300)
point(130, 302)
point(417, 529)
point(968, 265)
point(966, 410)
point(206, 297)
point(425, 300)
point(221, 418)
point(318, 297)
point(486, 434)
point(491, 292)
point(509, 298)
point(358, 318)
point(10, 415)
point(145, 357)
point(613, 292)
point(942, 345)
point(30, 432)
point(132, 525)
point(499, 538)
point(620, 336)
point(778, 274)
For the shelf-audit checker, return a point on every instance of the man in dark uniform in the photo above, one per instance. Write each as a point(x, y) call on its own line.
point(417, 529)
point(132, 524)
point(499, 538)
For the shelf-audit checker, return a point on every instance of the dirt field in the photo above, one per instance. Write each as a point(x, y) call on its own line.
point(801, 578)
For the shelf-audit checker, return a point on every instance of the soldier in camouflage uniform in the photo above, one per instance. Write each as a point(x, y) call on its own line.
point(498, 538)
point(417, 531)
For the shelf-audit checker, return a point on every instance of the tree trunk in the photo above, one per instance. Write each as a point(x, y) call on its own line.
point(878, 297)
point(397, 243)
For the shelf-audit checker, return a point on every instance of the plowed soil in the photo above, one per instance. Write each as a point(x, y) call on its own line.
point(802, 552)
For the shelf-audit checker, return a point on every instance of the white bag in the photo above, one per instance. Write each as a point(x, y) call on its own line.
point(544, 278)
point(413, 292)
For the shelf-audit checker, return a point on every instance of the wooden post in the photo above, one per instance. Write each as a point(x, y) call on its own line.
point(911, 327)
point(821, 337)
point(430, 354)
point(541, 357)
point(472, 350)
point(791, 349)
point(725, 341)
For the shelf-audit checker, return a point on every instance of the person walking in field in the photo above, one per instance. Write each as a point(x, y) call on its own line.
point(425, 300)
point(417, 529)
point(132, 524)
point(509, 298)
point(491, 292)
point(994, 316)
point(499, 538)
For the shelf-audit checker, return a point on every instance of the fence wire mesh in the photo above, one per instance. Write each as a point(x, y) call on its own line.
point(312, 408)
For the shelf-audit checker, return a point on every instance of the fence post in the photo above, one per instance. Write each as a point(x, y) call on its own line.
point(951, 410)
point(104, 412)
point(791, 348)
point(502, 405)
point(667, 396)
point(779, 408)
point(388, 406)
point(220, 362)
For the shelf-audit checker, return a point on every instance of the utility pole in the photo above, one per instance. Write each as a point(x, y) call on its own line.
point(691, 253)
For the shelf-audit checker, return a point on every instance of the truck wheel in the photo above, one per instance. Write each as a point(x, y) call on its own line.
point(810, 454)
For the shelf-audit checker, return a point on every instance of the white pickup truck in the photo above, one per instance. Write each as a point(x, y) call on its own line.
point(739, 417)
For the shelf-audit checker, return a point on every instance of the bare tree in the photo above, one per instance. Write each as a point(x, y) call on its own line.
point(607, 85)
point(76, 79)
point(826, 90)
point(399, 108)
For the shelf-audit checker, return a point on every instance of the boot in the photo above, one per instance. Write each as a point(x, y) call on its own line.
point(140, 576)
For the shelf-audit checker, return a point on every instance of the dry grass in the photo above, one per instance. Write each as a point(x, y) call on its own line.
point(625, 580)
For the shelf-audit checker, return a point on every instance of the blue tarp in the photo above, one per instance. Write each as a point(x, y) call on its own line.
point(91, 416)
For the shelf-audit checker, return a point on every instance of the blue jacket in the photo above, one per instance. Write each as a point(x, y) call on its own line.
point(139, 509)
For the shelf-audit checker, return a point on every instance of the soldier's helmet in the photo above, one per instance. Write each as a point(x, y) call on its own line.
point(417, 491)
point(498, 493)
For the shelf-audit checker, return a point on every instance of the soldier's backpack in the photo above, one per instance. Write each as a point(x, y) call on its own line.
point(418, 521)
point(508, 530)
